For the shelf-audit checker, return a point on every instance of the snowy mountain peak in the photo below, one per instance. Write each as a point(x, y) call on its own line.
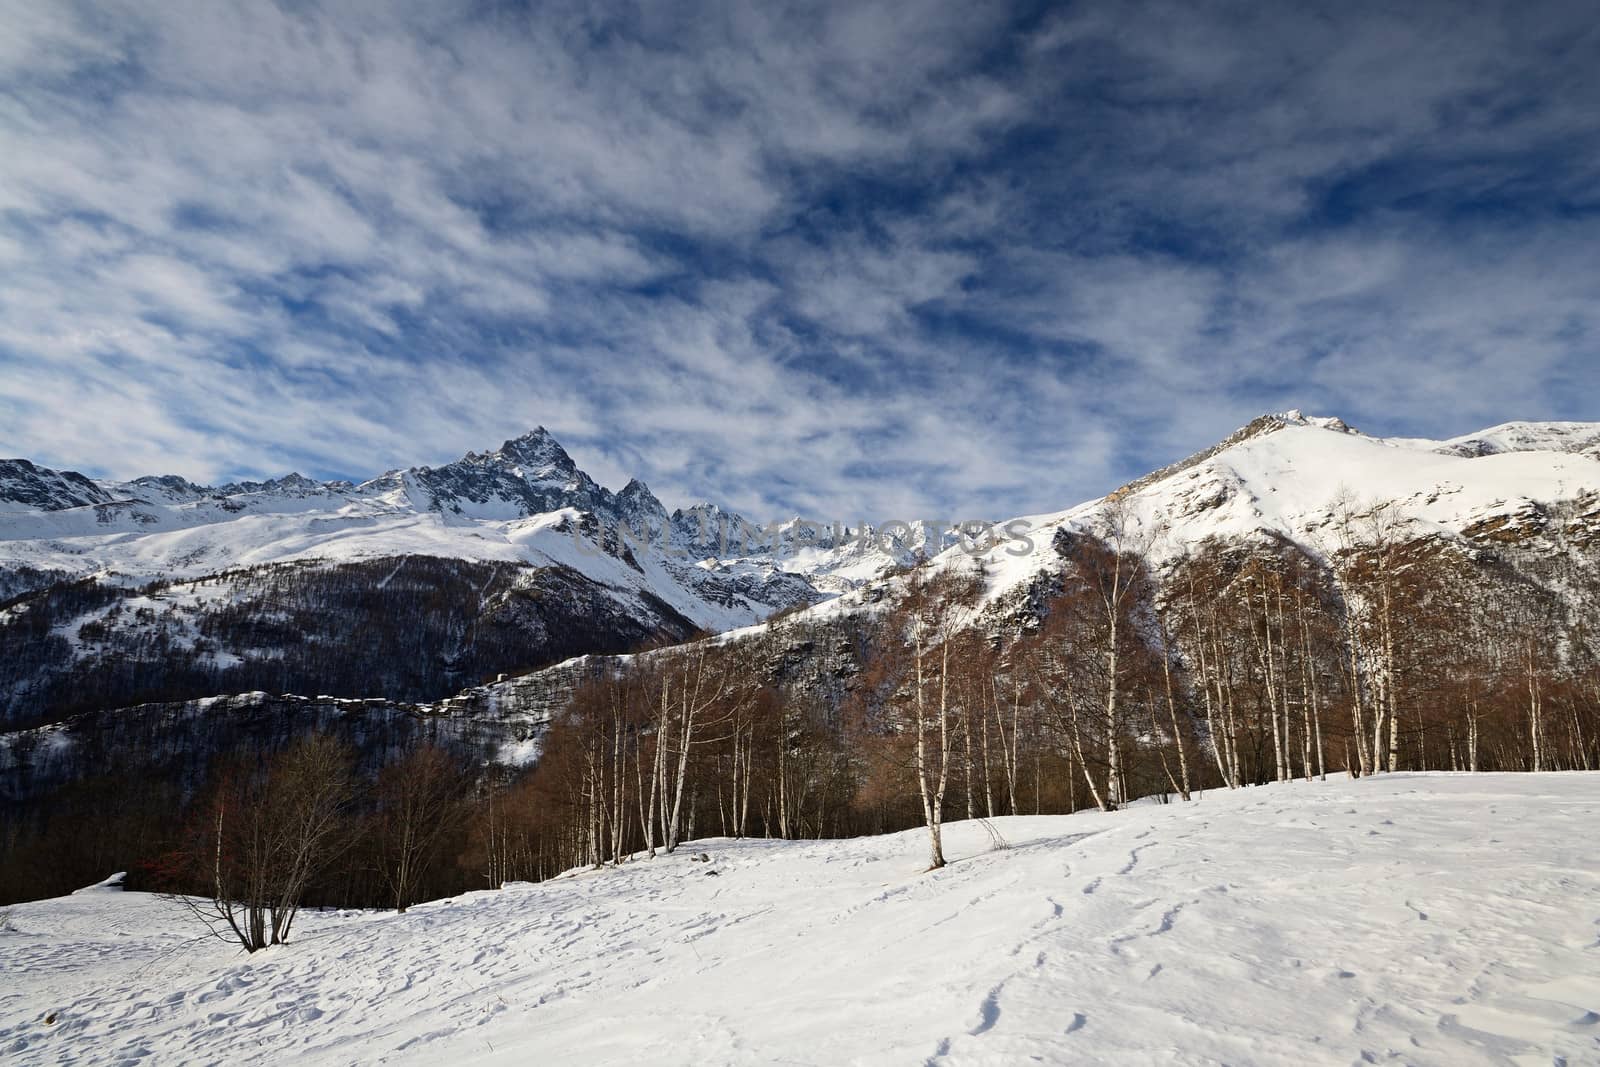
point(1296, 417)
point(527, 475)
point(638, 492)
point(167, 489)
point(710, 511)
point(637, 507)
point(291, 484)
point(26, 487)
point(1281, 479)
point(536, 450)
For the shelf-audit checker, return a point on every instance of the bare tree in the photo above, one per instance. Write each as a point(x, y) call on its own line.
point(418, 800)
point(925, 627)
point(265, 834)
point(1107, 575)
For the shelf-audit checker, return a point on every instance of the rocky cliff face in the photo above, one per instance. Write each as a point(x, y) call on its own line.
point(25, 487)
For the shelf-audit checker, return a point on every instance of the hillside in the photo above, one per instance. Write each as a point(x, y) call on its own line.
point(1425, 919)
point(411, 586)
point(1534, 487)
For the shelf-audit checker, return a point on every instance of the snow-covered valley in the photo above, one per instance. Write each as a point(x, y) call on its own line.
point(1419, 919)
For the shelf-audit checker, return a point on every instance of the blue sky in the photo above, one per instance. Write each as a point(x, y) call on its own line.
point(847, 260)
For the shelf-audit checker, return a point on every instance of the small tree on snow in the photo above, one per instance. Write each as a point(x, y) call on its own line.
point(263, 835)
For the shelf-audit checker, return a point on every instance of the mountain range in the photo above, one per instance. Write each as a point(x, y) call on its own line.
point(430, 581)
point(410, 586)
point(524, 504)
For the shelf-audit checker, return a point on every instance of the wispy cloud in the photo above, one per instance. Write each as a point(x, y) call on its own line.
point(843, 259)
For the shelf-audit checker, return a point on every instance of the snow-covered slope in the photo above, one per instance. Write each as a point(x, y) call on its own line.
point(1283, 476)
point(1438, 919)
point(526, 503)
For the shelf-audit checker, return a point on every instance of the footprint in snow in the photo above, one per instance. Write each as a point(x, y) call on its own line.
point(989, 1012)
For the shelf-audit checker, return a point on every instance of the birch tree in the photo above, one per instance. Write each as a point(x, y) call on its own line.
point(925, 626)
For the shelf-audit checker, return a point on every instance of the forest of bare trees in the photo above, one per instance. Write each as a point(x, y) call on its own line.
point(1240, 665)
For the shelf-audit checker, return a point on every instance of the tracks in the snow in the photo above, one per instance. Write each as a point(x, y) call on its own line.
point(1102, 909)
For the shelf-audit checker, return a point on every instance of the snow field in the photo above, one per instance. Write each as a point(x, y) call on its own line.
point(1418, 919)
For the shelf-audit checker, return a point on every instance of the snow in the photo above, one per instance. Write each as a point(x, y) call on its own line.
point(1286, 482)
point(1421, 919)
point(195, 540)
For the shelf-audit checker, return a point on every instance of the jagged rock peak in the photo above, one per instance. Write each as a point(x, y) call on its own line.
point(636, 501)
point(23, 483)
point(711, 511)
point(175, 483)
point(536, 449)
point(293, 482)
